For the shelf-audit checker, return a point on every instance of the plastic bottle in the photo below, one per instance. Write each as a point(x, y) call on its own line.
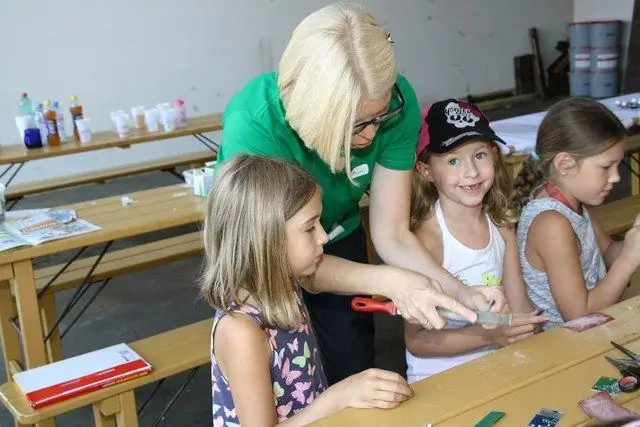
point(76, 113)
point(40, 123)
point(60, 121)
point(25, 105)
point(50, 119)
point(181, 113)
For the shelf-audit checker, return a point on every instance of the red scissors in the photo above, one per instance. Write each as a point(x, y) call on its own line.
point(370, 305)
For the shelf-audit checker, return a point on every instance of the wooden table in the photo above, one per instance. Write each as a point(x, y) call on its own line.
point(18, 154)
point(516, 379)
point(152, 210)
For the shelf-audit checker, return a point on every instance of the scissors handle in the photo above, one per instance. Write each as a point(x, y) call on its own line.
point(629, 383)
point(369, 305)
point(629, 353)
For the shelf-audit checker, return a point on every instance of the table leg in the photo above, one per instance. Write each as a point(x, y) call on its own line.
point(49, 317)
point(8, 335)
point(24, 288)
point(117, 411)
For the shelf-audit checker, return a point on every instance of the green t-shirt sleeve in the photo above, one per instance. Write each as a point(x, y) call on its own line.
point(401, 140)
point(243, 134)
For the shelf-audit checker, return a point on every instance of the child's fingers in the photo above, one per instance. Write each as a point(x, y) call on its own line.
point(514, 331)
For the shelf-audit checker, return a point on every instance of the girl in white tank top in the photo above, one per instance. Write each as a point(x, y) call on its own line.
point(459, 212)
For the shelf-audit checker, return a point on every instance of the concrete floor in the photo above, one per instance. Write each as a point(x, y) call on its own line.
point(138, 305)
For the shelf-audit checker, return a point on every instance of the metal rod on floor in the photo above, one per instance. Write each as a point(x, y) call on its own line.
point(14, 202)
point(206, 141)
point(4, 172)
point(62, 270)
point(86, 306)
point(79, 292)
point(175, 397)
point(14, 174)
point(153, 393)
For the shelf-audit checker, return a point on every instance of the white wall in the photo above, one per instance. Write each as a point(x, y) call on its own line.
point(121, 53)
point(602, 10)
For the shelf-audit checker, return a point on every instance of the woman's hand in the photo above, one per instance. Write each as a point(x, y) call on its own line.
point(484, 298)
point(417, 299)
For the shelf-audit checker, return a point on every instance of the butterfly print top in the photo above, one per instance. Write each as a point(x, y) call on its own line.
point(297, 376)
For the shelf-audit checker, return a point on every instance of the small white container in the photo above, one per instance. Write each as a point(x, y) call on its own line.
point(188, 176)
point(152, 119)
point(202, 182)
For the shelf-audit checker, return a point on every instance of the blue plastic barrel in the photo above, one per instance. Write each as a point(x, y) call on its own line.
point(580, 83)
point(604, 84)
point(580, 59)
point(604, 34)
point(579, 35)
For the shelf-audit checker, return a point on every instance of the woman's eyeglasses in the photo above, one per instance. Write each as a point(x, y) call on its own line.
point(381, 118)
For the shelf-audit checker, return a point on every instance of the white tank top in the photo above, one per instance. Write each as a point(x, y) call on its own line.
point(473, 267)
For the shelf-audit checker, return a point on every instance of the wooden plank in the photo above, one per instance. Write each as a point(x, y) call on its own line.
point(561, 391)
point(29, 315)
point(21, 190)
point(11, 350)
point(121, 262)
point(17, 153)
point(519, 364)
point(169, 353)
point(159, 208)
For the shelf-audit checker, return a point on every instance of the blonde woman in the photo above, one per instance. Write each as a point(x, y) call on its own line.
point(338, 109)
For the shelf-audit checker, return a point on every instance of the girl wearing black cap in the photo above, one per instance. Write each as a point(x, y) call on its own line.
point(459, 213)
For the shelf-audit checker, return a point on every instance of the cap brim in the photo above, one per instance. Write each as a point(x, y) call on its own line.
point(463, 140)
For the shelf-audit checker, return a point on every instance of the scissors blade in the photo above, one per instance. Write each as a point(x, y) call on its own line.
point(631, 354)
point(621, 364)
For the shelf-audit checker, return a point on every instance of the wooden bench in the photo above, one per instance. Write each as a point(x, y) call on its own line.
point(16, 192)
point(617, 217)
point(113, 264)
point(169, 353)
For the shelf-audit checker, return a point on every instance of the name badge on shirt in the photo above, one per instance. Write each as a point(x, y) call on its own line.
point(337, 230)
point(359, 171)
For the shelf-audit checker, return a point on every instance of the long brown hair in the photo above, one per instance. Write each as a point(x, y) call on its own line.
point(244, 236)
point(496, 202)
point(581, 127)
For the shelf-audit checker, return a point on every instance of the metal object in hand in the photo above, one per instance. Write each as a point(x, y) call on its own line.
point(370, 305)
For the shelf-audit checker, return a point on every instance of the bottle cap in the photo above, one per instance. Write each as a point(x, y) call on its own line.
point(74, 98)
point(179, 102)
point(24, 95)
point(47, 103)
point(56, 104)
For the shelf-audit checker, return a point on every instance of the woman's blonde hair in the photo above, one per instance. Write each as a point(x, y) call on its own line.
point(581, 127)
point(244, 236)
point(338, 58)
point(496, 202)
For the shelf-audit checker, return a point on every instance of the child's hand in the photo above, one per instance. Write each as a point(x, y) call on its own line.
point(523, 325)
point(373, 388)
point(631, 244)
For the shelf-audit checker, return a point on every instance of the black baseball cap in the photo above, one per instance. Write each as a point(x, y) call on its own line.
point(450, 123)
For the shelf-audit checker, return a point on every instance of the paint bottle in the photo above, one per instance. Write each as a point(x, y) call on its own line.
point(181, 113)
